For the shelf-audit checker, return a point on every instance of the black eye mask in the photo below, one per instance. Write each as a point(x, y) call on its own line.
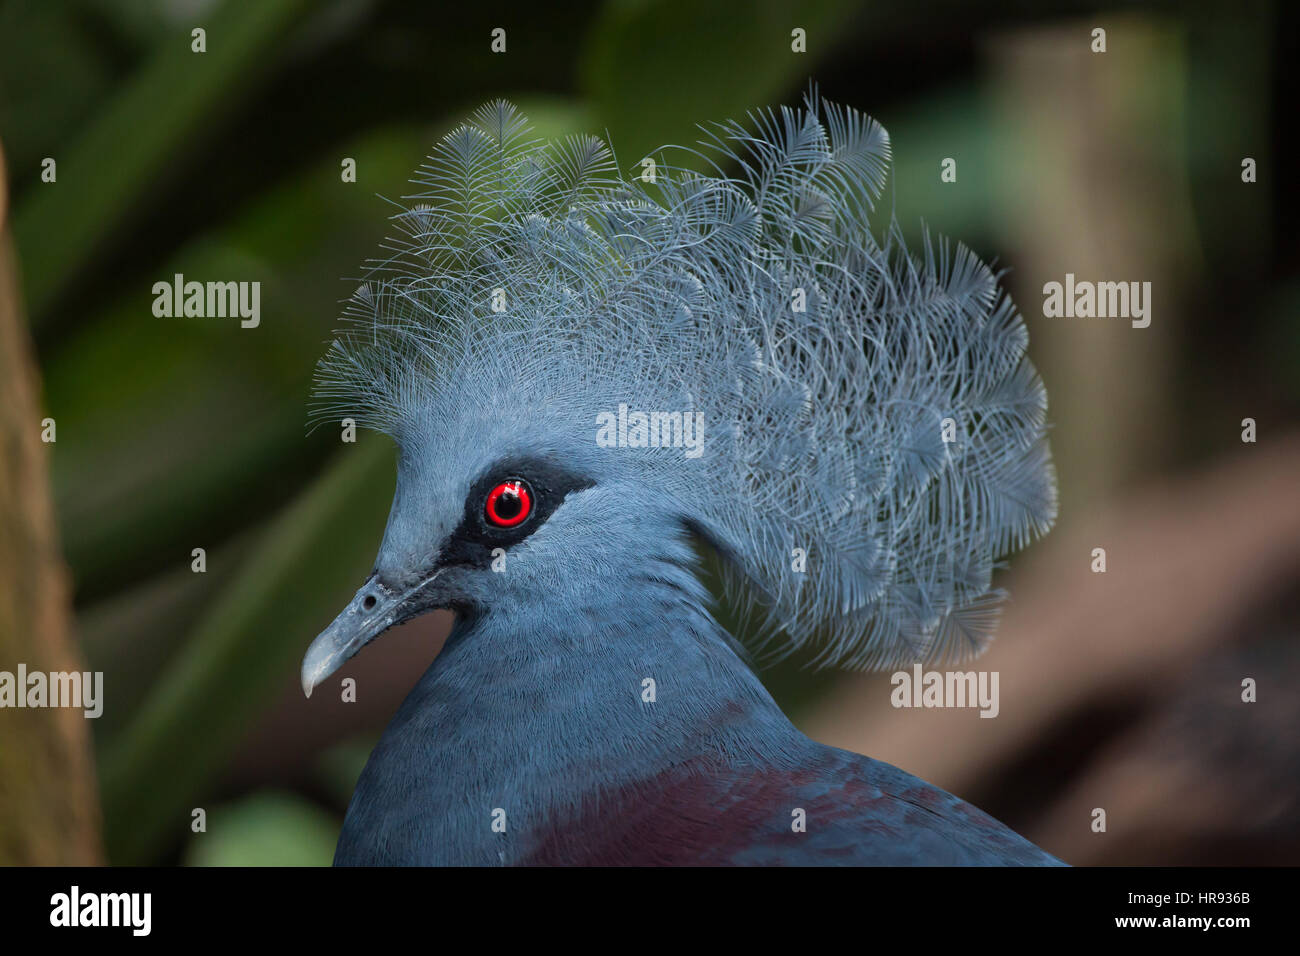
point(475, 538)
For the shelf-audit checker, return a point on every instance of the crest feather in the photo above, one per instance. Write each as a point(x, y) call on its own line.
point(868, 405)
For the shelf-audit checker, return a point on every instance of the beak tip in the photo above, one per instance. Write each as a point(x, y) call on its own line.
point(314, 670)
point(312, 674)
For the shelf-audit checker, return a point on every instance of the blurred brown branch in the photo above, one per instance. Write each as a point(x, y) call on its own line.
point(1129, 682)
point(49, 810)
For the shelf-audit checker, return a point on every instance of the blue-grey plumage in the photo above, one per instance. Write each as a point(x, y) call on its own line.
point(855, 431)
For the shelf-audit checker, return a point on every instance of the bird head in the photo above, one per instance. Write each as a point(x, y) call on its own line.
point(580, 369)
point(502, 511)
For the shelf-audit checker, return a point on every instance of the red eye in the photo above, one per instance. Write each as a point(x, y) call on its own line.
point(508, 504)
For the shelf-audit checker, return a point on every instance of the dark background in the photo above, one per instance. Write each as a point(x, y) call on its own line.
point(1120, 691)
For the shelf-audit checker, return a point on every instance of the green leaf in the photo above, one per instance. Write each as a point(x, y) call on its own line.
point(947, 123)
point(265, 829)
point(312, 556)
point(651, 66)
point(166, 105)
point(204, 411)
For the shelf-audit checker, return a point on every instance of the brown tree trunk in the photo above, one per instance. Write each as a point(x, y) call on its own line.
point(49, 809)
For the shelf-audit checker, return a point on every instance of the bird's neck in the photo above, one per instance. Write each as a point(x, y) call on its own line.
point(597, 683)
point(625, 674)
point(544, 707)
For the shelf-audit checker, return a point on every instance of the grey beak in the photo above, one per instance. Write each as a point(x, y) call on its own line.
point(375, 608)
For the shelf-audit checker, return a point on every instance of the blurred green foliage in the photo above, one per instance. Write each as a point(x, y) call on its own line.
point(266, 829)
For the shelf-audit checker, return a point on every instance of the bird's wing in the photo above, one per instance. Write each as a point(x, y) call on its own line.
point(842, 808)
